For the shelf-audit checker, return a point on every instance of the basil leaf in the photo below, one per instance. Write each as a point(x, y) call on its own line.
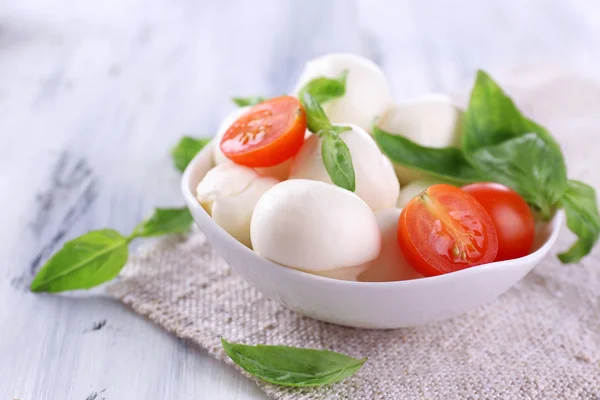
point(338, 161)
point(165, 221)
point(583, 219)
point(447, 163)
point(84, 262)
point(324, 89)
point(185, 151)
point(248, 101)
point(527, 164)
point(292, 366)
point(492, 117)
point(316, 119)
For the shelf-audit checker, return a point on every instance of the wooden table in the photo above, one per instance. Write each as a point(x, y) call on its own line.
point(93, 95)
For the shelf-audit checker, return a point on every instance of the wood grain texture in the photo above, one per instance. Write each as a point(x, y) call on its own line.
point(93, 95)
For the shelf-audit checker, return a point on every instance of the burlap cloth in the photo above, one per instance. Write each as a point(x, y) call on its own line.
point(540, 340)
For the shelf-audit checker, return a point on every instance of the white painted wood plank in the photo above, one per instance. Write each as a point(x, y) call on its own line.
point(93, 94)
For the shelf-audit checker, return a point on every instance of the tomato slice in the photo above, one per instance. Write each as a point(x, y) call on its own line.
point(444, 229)
point(511, 215)
point(268, 134)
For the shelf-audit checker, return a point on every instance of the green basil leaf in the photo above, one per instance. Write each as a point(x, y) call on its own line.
point(316, 119)
point(447, 163)
point(292, 366)
point(99, 256)
point(492, 117)
point(165, 221)
point(338, 160)
point(185, 151)
point(583, 219)
point(527, 164)
point(324, 89)
point(84, 262)
point(248, 101)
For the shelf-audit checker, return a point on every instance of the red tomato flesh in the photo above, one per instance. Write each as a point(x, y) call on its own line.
point(268, 134)
point(511, 215)
point(444, 229)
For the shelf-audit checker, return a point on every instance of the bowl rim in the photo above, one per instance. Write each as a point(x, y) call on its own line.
point(555, 223)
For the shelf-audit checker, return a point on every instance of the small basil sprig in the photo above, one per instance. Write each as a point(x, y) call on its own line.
point(248, 101)
point(335, 153)
point(325, 89)
point(98, 256)
point(292, 366)
point(499, 144)
point(185, 150)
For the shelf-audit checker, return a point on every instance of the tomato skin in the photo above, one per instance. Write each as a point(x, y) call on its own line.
point(445, 229)
point(267, 134)
point(511, 215)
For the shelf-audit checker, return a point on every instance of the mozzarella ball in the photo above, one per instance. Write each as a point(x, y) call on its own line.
point(412, 189)
point(390, 265)
point(315, 227)
point(367, 93)
point(432, 120)
point(229, 193)
point(376, 182)
point(279, 171)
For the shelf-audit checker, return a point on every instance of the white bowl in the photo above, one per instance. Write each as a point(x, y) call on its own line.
point(378, 305)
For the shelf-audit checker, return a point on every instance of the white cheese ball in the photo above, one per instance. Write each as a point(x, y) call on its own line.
point(229, 193)
point(390, 265)
point(315, 227)
point(367, 94)
point(432, 120)
point(279, 171)
point(376, 182)
point(412, 189)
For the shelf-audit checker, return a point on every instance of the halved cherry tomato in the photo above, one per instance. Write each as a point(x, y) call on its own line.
point(444, 229)
point(511, 215)
point(268, 134)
